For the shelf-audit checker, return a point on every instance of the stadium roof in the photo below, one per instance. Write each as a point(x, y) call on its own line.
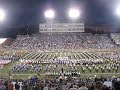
point(2, 40)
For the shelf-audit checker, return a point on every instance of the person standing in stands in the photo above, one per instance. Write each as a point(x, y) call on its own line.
point(10, 86)
point(83, 87)
point(3, 87)
point(98, 85)
point(17, 86)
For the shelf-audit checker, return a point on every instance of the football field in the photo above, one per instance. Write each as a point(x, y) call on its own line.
point(42, 64)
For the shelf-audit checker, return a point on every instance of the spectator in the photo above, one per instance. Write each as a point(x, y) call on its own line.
point(10, 86)
point(98, 85)
point(83, 87)
point(17, 86)
point(74, 87)
point(3, 87)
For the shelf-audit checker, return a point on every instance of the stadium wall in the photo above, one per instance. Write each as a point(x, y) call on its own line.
point(7, 42)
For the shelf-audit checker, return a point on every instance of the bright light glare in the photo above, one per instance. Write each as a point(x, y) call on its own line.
point(118, 11)
point(74, 13)
point(50, 14)
point(2, 40)
point(2, 15)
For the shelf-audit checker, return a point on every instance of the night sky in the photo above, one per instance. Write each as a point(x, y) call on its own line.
point(23, 13)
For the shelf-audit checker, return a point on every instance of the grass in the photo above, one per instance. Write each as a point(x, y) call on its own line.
point(39, 56)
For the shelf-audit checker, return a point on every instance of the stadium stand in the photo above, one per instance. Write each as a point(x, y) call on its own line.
point(116, 37)
point(34, 83)
point(51, 41)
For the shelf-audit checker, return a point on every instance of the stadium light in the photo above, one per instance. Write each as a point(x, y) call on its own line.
point(118, 11)
point(50, 14)
point(74, 13)
point(2, 15)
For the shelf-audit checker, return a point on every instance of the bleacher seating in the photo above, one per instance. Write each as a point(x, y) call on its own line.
point(47, 41)
point(116, 37)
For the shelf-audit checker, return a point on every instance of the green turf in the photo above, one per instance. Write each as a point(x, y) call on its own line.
point(38, 56)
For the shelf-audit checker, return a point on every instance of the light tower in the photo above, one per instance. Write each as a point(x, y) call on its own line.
point(2, 15)
point(118, 10)
point(74, 13)
point(49, 15)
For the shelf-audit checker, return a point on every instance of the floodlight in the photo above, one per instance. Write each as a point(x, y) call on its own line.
point(118, 11)
point(50, 14)
point(2, 15)
point(74, 13)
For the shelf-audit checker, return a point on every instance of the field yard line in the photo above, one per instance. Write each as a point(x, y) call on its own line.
point(58, 74)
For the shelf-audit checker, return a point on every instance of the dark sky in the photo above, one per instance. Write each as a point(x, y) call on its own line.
point(23, 12)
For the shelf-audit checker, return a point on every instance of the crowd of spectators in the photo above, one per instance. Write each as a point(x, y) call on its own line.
point(61, 83)
point(116, 37)
point(48, 41)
